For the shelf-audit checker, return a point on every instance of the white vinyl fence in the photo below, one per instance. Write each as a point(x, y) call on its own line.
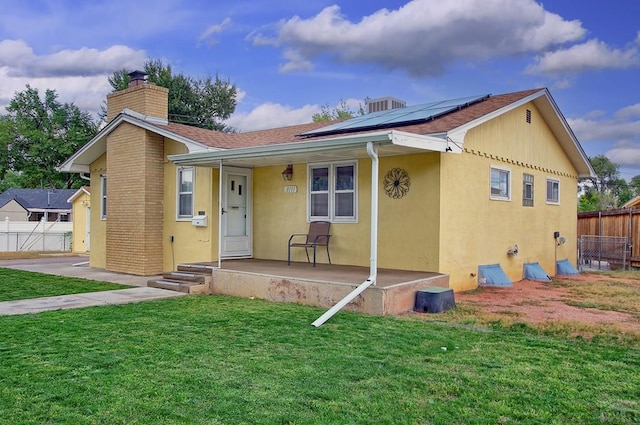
point(35, 236)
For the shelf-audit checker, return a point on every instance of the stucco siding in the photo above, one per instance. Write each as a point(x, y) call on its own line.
point(79, 206)
point(98, 254)
point(477, 230)
point(190, 243)
point(407, 227)
point(277, 215)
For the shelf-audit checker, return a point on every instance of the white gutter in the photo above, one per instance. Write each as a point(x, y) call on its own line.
point(308, 147)
point(373, 271)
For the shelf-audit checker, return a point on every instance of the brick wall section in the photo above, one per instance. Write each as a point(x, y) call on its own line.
point(135, 186)
point(147, 99)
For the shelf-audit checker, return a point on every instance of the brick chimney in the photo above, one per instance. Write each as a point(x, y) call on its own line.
point(135, 169)
point(141, 96)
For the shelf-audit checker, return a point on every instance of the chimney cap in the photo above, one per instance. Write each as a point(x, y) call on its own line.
point(137, 78)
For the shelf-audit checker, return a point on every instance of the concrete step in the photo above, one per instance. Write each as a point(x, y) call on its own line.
point(185, 277)
point(179, 286)
point(196, 268)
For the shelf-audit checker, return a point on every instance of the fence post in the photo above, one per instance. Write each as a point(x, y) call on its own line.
point(44, 231)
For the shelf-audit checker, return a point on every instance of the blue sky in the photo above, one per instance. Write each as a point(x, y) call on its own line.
point(288, 58)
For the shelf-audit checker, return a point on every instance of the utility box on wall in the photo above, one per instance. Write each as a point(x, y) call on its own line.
point(199, 220)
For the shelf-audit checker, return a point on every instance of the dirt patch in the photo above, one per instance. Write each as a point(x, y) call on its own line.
point(538, 302)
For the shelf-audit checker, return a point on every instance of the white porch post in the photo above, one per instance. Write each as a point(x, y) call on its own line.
point(220, 212)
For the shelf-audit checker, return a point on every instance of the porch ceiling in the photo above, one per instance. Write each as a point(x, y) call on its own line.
point(387, 143)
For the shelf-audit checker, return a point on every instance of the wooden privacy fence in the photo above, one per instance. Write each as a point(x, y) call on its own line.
point(622, 223)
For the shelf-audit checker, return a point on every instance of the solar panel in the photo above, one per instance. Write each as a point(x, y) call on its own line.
point(393, 117)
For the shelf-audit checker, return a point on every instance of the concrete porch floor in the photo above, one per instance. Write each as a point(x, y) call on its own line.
point(322, 286)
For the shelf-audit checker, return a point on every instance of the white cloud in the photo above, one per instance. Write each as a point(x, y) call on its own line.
point(79, 76)
point(622, 130)
point(87, 93)
point(214, 29)
point(270, 115)
point(593, 54)
point(616, 129)
point(626, 155)
point(15, 53)
point(423, 37)
point(295, 62)
point(20, 60)
point(629, 111)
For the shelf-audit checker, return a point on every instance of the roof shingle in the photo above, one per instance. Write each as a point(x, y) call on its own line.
point(290, 134)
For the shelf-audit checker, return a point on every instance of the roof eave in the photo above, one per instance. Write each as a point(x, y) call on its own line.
point(80, 161)
point(552, 115)
point(285, 151)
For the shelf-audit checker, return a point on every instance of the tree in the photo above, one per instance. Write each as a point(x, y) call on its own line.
point(606, 190)
point(634, 184)
point(39, 134)
point(342, 112)
point(202, 102)
point(607, 174)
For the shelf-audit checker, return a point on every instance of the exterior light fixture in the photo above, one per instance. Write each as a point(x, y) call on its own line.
point(287, 174)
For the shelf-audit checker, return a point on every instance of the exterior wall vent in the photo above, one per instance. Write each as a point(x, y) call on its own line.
point(528, 116)
point(384, 104)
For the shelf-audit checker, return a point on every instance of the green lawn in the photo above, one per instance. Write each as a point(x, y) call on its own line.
point(224, 360)
point(20, 285)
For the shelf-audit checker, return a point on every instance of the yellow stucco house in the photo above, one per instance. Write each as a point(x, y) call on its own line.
point(446, 187)
point(81, 206)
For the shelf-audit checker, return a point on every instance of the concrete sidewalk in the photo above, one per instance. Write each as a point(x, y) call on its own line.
point(88, 299)
point(72, 266)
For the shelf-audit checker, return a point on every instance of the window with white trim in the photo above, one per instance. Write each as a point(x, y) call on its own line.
point(103, 196)
point(500, 183)
point(184, 201)
point(553, 191)
point(527, 190)
point(332, 192)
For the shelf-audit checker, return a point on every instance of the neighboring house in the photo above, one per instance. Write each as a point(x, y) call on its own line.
point(36, 204)
point(632, 203)
point(461, 184)
point(81, 206)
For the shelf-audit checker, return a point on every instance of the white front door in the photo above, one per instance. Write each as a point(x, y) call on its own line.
point(236, 212)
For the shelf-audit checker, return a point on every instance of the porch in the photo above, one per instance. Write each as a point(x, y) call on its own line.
point(322, 286)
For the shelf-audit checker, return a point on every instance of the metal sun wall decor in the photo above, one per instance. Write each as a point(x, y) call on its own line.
point(396, 183)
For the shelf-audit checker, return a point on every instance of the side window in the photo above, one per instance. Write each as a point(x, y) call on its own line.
point(527, 190)
point(332, 192)
point(184, 200)
point(344, 191)
point(319, 202)
point(103, 196)
point(500, 184)
point(553, 191)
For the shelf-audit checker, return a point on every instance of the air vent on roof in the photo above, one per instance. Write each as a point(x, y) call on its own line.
point(384, 104)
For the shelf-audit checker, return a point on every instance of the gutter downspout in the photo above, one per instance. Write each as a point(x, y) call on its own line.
point(373, 270)
point(220, 212)
point(85, 177)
